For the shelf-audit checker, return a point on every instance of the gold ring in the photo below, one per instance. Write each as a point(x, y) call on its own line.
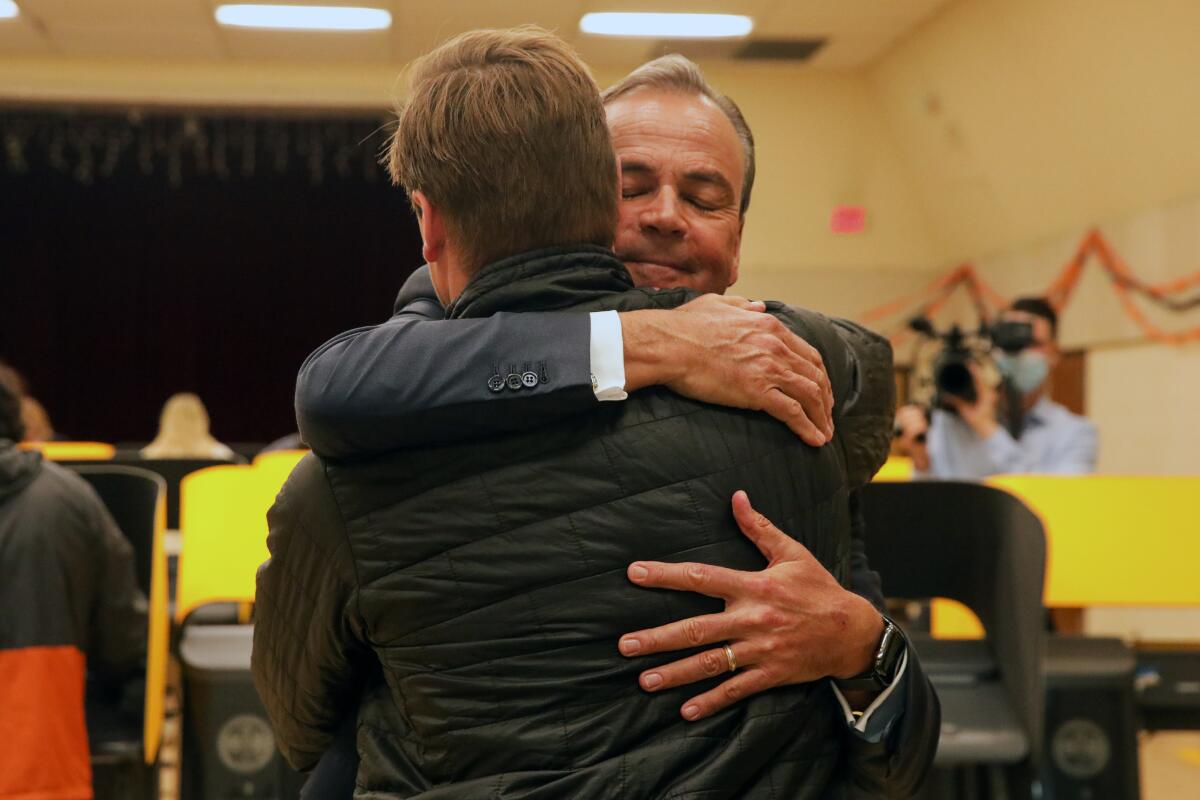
point(731, 658)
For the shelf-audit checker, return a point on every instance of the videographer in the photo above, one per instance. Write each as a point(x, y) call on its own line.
point(971, 439)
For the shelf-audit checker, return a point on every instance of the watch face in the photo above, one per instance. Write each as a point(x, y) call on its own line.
point(890, 649)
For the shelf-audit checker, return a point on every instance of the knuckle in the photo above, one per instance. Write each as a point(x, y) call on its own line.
point(693, 631)
point(698, 573)
point(710, 664)
point(732, 691)
point(757, 618)
point(774, 619)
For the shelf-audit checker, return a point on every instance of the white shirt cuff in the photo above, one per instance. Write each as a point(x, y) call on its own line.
point(608, 356)
point(860, 724)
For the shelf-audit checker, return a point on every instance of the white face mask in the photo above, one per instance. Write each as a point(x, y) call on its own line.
point(1027, 370)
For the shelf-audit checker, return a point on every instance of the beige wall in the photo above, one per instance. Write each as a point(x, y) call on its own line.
point(1024, 119)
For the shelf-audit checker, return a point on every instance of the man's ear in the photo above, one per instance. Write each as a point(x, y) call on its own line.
point(737, 252)
point(432, 225)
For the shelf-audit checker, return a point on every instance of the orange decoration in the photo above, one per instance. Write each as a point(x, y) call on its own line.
point(935, 296)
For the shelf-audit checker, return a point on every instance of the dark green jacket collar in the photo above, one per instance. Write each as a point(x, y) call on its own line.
point(543, 280)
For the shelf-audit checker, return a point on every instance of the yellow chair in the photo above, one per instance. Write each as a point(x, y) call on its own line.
point(72, 451)
point(277, 465)
point(223, 524)
point(896, 468)
point(223, 537)
point(1111, 541)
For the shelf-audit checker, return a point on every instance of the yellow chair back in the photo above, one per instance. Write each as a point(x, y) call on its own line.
point(896, 468)
point(72, 451)
point(158, 639)
point(1111, 541)
point(223, 530)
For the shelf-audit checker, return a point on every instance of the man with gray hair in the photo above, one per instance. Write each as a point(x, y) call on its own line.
point(687, 166)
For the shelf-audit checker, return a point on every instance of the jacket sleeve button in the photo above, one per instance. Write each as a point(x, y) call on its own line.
point(530, 379)
point(514, 381)
point(496, 383)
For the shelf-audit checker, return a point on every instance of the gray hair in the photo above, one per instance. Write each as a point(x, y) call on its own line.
point(679, 74)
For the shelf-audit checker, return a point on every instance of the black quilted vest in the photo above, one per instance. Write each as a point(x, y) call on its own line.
point(492, 582)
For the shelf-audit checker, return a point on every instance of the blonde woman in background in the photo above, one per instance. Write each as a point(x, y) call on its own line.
point(183, 432)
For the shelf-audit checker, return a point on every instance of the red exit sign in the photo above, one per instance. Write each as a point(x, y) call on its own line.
point(848, 219)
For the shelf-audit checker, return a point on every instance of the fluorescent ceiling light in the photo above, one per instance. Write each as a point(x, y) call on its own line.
point(8, 9)
point(304, 18)
point(667, 26)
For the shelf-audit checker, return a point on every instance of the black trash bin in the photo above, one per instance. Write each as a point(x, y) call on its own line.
point(228, 746)
point(1091, 722)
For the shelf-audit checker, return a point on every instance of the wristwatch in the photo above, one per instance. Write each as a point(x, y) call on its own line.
point(882, 671)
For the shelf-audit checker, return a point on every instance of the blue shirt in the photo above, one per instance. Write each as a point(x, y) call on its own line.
point(1054, 442)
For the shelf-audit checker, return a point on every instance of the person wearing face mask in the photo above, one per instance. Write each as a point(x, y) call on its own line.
point(976, 439)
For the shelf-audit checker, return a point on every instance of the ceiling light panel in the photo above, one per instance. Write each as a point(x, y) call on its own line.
point(666, 26)
point(304, 18)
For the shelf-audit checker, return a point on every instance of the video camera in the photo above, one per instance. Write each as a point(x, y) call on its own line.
point(951, 370)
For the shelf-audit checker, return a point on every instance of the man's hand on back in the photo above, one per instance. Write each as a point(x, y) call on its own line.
point(790, 623)
point(723, 349)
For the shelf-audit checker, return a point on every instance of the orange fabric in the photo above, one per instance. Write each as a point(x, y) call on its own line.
point(43, 735)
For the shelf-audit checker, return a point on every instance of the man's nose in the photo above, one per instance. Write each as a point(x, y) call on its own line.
point(663, 216)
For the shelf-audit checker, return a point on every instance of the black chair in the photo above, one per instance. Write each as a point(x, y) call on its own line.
point(116, 715)
point(172, 471)
point(984, 548)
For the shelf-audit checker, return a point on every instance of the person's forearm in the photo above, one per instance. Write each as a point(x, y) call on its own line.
point(305, 673)
point(652, 353)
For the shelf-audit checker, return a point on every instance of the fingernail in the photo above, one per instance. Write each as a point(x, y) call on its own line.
point(651, 680)
point(630, 647)
point(691, 712)
point(638, 573)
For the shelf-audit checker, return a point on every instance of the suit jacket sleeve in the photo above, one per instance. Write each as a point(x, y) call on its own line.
point(421, 379)
point(860, 369)
point(310, 646)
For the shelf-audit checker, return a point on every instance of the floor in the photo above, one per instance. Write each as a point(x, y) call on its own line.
point(1170, 762)
point(1170, 766)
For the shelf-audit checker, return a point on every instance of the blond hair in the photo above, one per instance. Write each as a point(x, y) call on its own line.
point(183, 431)
point(674, 73)
point(504, 132)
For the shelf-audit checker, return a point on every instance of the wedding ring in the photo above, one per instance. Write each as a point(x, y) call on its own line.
point(731, 658)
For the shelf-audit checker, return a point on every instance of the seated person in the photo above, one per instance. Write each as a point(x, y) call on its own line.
point(69, 606)
point(183, 432)
point(971, 441)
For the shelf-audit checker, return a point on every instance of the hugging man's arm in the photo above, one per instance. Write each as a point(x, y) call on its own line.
point(421, 379)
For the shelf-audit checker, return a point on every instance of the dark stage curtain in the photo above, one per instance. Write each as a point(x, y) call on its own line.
point(142, 255)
